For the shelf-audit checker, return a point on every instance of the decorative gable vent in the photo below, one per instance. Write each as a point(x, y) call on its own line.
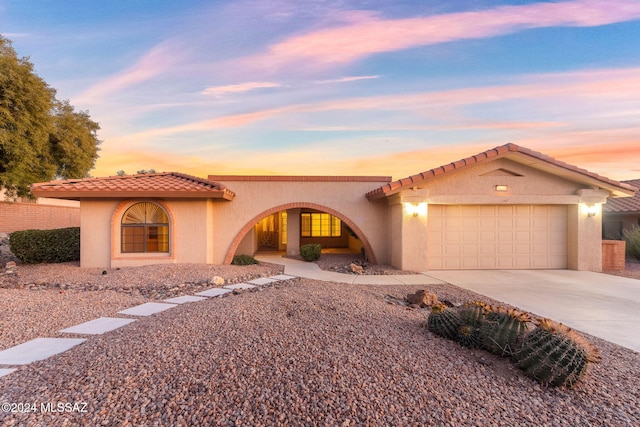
point(501, 172)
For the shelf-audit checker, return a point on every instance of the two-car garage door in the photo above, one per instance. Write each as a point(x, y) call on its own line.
point(497, 236)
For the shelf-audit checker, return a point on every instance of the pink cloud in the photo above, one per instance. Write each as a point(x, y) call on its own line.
point(238, 88)
point(347, 79)
point(372, 35)
point(154, 63)
point(601, 87)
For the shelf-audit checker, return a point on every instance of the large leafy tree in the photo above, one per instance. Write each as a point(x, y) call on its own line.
point(40, 137)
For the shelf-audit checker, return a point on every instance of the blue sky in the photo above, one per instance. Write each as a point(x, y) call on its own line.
point(338, 87)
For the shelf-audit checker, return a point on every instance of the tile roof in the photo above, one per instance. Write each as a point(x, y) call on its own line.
point(300, 178)
point(164, 184)
point(624, 204)
point(507, 150)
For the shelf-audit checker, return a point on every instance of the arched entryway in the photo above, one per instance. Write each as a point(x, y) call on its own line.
point(296, 207)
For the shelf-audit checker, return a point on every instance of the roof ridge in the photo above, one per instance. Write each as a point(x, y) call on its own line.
point(487, 155)
point(167, 184)
point(199, 180)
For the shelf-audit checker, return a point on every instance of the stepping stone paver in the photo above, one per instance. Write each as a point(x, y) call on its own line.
point(42, 348)
point(98, 326)
point(184, 299)
point(147, 309)
point(240, 286)
point(37, 349)
point(214, 292)
point(5, 371)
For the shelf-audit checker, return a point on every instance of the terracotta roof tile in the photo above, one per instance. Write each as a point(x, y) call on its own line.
point(494, 153)
point(624, 204)
point(165, 184)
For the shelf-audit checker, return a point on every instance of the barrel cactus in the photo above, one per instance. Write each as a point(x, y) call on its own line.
point(469, 336)
point(503, 330)
point(555, 355)
point(443, 321)
point(472, 313)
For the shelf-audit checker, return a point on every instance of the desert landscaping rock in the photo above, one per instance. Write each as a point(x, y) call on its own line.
point(315, 353)
point(6, 371)
point(239, 286)
point(422, 298)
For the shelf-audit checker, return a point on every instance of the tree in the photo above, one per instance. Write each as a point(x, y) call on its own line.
point(40, 137)
point(141, 171)
point(74, 141)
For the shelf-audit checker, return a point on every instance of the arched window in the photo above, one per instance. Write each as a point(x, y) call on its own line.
point(145, 228)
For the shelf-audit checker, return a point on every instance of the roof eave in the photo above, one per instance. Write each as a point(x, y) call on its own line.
point(617, 189)
point(515, 153)
point(92, 194)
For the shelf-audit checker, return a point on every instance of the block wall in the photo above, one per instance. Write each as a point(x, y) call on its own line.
point(15, 216)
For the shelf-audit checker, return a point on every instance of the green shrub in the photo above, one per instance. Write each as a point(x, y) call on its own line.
point(310, 252)
point(244, 260)
point(46, 246)
point(632, 239)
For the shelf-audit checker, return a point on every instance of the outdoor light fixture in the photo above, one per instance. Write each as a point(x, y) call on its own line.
point(502, 187)
point(416, 209)
point(592, 210)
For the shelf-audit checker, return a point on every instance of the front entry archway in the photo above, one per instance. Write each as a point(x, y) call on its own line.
point(299, 205)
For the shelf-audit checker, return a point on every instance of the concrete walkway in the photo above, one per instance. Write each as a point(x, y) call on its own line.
point(310, 270)
point(598, 304)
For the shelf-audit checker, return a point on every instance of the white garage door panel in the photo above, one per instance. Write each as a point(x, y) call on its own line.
point(497, 237)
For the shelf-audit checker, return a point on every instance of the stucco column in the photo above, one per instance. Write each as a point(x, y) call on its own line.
point(585, 231)
point(408, 230)
point(293, 232)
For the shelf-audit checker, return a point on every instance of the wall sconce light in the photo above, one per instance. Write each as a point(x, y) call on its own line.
point(502, 187)
point(419, 209)
point(592, 210)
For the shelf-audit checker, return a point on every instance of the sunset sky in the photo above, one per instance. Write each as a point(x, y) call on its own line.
point(340, 87)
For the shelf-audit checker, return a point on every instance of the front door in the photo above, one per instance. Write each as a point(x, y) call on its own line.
point(268, 234)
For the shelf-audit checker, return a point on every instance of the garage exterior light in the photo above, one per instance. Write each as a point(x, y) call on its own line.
point(416, 209)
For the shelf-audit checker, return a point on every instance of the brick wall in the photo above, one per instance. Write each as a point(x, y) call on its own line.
point(16, 216)
point(613, 255)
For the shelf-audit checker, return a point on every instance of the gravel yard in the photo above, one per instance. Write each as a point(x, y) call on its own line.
point(302, 353)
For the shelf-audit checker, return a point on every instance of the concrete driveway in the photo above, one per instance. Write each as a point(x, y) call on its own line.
point(598, 304)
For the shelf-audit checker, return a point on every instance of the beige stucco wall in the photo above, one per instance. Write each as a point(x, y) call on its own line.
point(95, 232)
point(249, 244)
point(476, 186)
point(255, 199)
point(204, 231)
point(191, 226)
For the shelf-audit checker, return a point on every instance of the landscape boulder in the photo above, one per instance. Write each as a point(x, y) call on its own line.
point(422, 298)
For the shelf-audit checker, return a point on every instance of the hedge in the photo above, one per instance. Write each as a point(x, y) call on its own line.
point(46, 246)
point(244, 260)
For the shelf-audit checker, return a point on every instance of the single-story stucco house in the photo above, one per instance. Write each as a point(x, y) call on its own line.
point(621, 214)
point(506, 208)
